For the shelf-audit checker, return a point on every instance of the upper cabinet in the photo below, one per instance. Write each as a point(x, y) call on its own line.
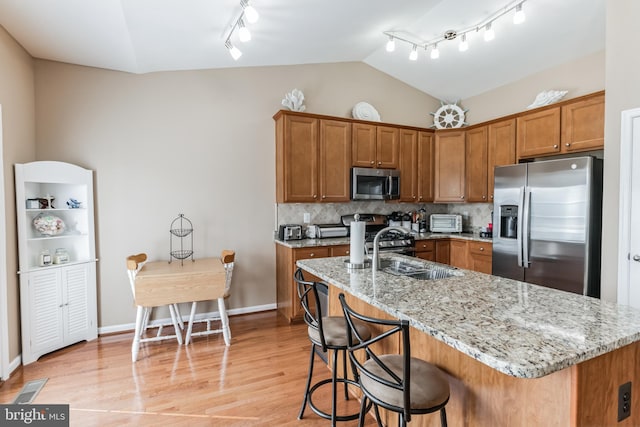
point(501, 149)
point(375, 146)
point(449, 182)
point(416, 166)
point(476, 164)
point(426, 158)
point(313, 159)
point(574, 126)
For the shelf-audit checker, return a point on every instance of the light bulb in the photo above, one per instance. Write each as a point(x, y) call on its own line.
point(435, 53)
point(488, 33)
point(243, 32)
point(463, 44)
point(519, 17)
point(391, 44)
point(234, 51)
point(414, 53)
point(250, 12)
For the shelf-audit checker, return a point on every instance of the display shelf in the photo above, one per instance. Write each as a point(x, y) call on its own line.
point(58, 302)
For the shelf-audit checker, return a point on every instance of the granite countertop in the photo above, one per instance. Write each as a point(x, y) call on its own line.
point(520, 329)
point(311, 243)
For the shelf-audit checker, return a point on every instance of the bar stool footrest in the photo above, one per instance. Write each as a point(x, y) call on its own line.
point(326, 415)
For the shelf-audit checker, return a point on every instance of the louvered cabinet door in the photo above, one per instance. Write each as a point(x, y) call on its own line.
point(46, 312)
point(75, 303)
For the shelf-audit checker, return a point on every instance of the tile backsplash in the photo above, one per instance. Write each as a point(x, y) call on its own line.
point(475, 215)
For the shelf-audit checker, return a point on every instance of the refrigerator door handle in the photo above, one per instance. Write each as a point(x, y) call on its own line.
point(519, 230)
point(526, 223)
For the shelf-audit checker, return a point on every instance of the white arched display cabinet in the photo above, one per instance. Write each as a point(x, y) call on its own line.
point(58, 296)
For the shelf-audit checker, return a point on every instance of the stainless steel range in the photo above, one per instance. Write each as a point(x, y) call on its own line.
point(392, 241)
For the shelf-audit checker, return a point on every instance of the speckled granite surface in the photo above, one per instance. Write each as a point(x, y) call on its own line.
point(520, 329)
point(310, 243)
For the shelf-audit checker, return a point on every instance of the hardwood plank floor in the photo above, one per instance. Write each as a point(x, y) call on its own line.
point(257, 381)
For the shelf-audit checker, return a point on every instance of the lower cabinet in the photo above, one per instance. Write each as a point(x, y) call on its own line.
point(58, 308)
point(458, 253)
point(442, 251)
point(480, 256)
point(426, 249)
point(288, 303)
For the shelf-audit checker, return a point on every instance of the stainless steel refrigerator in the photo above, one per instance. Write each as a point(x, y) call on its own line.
point(547, 223)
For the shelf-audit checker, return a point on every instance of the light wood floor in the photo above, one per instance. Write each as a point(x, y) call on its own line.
point(257, 381)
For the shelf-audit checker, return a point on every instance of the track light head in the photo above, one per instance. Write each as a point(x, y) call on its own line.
point(489, 34)
point(414, 53)
point(435, 53)
point(233, 51)
point(391, 44)
point(464, 45)
point(519, 16)
point(249, 12)
point(243, 32)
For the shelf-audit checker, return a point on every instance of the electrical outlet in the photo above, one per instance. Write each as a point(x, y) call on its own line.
point(624, 401)
point(307, 217)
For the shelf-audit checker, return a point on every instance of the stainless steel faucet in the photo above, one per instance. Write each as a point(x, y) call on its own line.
point(376, 250)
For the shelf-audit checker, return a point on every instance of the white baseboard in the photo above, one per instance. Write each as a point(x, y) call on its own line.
point(126, 327)
point(13, 365)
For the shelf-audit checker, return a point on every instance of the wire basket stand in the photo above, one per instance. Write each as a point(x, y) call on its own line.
point(181, 230)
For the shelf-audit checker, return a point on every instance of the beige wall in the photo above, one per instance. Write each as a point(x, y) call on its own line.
point(18, 138)
point(199, 143)
point(623, 92)
point(579, 77)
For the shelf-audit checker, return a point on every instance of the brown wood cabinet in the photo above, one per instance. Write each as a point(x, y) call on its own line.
point(443, 248)
point(476, 164)
point(416, 166)
point(375, 146)
point(426, 249)
point(480, 256)
point(313, 159)
point(573, 126)
point(449, 179)
point(458, 253)
point(288, 303)
point(583, 125)
point(501, 138)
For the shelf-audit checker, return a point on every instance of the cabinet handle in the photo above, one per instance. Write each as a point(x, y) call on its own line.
point(555, 145)
point(315, 196)
point(491, 196)
point(636, 258)
point(481, 249)
point(312, 255)
point(346, 252)
point(324, 197)
point(372, 162)
point(379, 163)
point(462, 197)
point(484, 197)
point(567, 145)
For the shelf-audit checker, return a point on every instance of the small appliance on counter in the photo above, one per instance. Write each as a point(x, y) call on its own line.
point(324, 231)
point(445, 223)
point(290, 232)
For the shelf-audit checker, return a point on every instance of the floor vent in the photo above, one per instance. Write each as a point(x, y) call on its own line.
point(30, 390)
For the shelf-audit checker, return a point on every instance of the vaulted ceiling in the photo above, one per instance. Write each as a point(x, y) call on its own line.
point(142, 36)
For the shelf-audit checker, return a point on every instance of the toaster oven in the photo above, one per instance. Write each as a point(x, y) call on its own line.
point(445, 223)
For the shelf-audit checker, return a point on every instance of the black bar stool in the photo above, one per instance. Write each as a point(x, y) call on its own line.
point(396, 382)
point(325, 333)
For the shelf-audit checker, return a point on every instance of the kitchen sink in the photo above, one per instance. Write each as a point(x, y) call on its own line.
point(417, 270)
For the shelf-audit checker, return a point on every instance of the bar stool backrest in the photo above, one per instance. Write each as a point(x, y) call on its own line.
point(308, 294)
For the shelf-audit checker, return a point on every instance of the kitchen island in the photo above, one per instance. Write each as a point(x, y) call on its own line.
point(517, 354)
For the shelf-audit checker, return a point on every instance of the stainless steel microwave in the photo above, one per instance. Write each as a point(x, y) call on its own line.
point(375, 184)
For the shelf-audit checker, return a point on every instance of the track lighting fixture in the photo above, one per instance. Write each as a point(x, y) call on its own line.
point(485, 24)
point(391, 44)
point(489, 34)
point(234, 51)
point(249, 14)
point(414, 53)
point(249, 11)
point(519, 17)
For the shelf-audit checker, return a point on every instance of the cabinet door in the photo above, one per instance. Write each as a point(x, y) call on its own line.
point(538, 133)
point(387, 147)
point(305, 253)
point(75, 298)
point(426, 249)
point(480, 256)
point(363, 147)
point(501, 149)
point(340, 250)
point(300, 159)
point(335, 160)
point(458, 253)
point(450, 167)
point(45, 309)
point(476, 165)
point(408, 165)
point(583, 125)
point(443, 249)
point(426, 154)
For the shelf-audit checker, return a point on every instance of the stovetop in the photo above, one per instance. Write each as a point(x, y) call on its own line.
point(375, 223)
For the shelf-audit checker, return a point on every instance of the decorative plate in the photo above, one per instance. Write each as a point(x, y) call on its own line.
point(449, 116)
point(48, 225)
point(365, 111)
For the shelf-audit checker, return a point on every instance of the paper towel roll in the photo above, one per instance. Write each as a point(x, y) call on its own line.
point(356, 249)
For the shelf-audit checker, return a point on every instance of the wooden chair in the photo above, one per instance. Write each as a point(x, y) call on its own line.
point(397, 382)
point(227, 257)
point(134, 264)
